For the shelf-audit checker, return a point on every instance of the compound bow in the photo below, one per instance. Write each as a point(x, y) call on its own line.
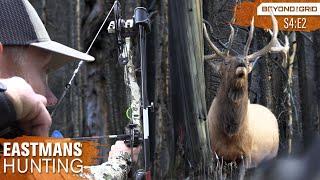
point(124, 30)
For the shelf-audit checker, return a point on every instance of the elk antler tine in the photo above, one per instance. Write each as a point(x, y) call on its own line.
point(215, 49)
point(210, 57)
point(283, 49)
point(247, 47)
point(274, 45)
point(231, 38)
point(275, 28)
point(277, 47)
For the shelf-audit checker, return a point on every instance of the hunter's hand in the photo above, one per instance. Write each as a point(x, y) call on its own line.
point(120, 147)
point(30, 107)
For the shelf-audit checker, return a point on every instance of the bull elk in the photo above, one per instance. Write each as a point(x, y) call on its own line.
point(237, 128)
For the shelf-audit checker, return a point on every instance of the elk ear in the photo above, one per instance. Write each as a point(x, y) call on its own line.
point(216, 67)
point(220, 68)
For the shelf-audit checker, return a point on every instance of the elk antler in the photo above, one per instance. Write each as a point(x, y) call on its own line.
point(247, 47)
point(273, 46)
point(215, 49)
point(231, 38)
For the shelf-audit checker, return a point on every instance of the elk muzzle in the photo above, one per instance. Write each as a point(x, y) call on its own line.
point(241, 72)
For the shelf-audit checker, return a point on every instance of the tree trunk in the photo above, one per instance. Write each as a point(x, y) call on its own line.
point(316, 46)
point(308, 93)
point(162, 123)
point(187, 87)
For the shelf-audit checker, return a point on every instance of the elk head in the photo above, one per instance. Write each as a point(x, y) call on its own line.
point(234, 69)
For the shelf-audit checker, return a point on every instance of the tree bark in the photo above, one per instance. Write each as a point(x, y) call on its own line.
point(308, 98)
point(158, 56)
point(187, 86)
point(316, 47)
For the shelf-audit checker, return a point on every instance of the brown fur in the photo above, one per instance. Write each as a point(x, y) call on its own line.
point(238, 128)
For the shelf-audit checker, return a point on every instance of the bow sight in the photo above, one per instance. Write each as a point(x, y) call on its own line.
point(125, 29)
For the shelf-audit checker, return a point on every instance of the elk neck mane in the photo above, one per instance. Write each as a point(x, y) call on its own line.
point(232, 106)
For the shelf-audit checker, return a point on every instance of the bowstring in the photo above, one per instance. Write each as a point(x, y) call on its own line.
point(67, 87)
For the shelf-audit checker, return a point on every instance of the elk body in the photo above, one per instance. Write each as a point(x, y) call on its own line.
point(237, 128)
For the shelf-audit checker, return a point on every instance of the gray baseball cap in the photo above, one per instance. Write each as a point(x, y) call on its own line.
point(21, 25)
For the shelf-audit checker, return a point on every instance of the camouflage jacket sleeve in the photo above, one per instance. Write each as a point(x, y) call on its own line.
point(115, 168)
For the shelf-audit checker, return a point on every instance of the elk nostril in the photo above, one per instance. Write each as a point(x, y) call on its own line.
point(241, 75)
point(242, 64)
